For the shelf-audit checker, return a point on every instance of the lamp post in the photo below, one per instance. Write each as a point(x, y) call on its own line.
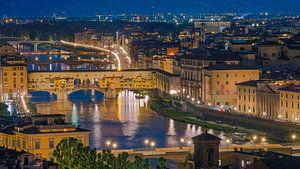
point(254, 139)
point(263, 142)
point(227, 143)
point(146, 142)
point(181, 143)
point(294, 137)
point(152, 144)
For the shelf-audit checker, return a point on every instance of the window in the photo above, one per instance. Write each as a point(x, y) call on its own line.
point(37, 144)
point(23, 143)
point(51, 143)
point(227, 82)
point(243, 163)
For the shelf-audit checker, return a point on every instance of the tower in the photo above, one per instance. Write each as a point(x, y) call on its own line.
point(206, 151)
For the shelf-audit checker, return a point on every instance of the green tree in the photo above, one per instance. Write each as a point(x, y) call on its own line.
point(3, 109)
point(68, 153)
point(71, 154)
point(161, 163)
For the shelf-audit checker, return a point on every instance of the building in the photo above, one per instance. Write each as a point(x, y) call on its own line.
point(7, 50)
point(191, 69)
point(165, 64)
point(13, 80)
point(219, 83)
point(258, 98)
point(40, 135)
point(93, 38)
point(239, 45)
point(290, 103)
point(270, 50)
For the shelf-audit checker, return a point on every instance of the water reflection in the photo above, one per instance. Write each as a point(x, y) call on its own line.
point(126, 120)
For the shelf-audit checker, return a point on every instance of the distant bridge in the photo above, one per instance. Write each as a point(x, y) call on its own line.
point(34, 43)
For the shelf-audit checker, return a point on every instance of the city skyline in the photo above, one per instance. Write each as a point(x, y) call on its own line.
point(92, 7)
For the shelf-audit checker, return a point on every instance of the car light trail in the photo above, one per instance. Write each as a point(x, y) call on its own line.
point(96, 48)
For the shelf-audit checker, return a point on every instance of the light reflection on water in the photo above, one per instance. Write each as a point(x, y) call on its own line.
point(125, 120)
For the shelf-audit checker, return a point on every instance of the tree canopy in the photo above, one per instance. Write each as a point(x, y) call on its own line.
point(71, 153)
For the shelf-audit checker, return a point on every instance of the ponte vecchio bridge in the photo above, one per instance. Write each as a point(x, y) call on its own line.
point(109, 82)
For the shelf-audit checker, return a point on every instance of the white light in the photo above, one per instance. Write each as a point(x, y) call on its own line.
point(193, 99)
point(198, 102)
point(173, 92)
point(115, 145)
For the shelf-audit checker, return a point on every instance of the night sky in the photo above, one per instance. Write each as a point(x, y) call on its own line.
point(90, 7)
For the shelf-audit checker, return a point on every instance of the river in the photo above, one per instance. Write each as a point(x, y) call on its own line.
point(128, 121)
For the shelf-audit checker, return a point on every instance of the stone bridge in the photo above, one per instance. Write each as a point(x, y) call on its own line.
point(34, 43)
point(98, 63)
point(110, 82)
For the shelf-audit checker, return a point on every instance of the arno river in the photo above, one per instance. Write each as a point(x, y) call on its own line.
point(128, 121)
point(125, 120)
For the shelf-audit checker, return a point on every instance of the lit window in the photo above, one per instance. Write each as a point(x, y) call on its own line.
point(37, 144)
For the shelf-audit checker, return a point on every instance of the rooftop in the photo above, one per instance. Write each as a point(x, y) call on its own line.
point(231, 67)
point(206, 137)
point(251, 83)
point(291, 88)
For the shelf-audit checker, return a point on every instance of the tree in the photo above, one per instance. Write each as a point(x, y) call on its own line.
point(68, 153)
point(71, 154)
point(3, 109)
point(161, 163)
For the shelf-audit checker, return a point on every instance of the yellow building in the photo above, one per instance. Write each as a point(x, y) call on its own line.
point(13, 81)
point(290, 103)
point(259, 98)
point(40, 139)
point(246, 101)
point(219, 83)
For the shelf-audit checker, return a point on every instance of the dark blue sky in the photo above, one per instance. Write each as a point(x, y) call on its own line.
point(88, 7)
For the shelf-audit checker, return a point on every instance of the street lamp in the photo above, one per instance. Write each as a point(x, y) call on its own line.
point(181, 143)
point(114, 145)
point(108, 143)
point(227, 143)
point(263, 141)
point(254, 139)
point(294, 137)
point(146, 142)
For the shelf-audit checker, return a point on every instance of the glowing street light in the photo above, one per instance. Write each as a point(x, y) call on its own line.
point(263, 140)
point(108, 143)
point(227, 143)
point(294, 137)
point(114, 145)
point(146, 142)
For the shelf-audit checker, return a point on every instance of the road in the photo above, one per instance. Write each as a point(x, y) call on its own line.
point(122, 58)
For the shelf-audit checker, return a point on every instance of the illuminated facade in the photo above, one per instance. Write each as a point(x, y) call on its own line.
point(13, 81)
point(40, 139)
point(290, 103)
point(259, 98)
point(191, 71)
point(219, 83)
